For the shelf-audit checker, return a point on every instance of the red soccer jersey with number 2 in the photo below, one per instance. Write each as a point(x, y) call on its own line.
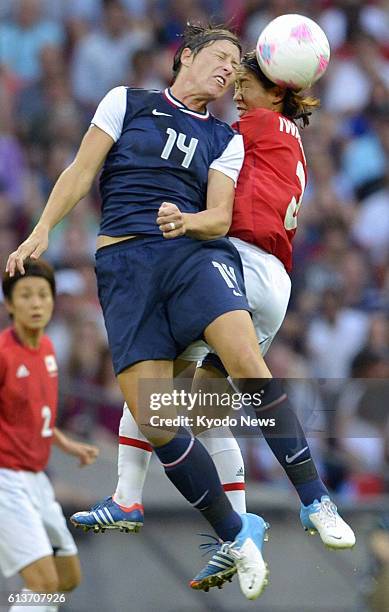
point(271, 183)
point(28, 402)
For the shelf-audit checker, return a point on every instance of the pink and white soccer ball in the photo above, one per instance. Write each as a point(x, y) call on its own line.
point(293, 51)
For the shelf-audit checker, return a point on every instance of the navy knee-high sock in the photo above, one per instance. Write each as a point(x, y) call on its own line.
point(289, 444)
point(190, 468)
point(286, 439)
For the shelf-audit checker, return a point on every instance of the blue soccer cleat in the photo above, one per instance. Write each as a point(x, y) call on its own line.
point(322, 517)
point(243, 556)
point(107, 514)
point(219, 569)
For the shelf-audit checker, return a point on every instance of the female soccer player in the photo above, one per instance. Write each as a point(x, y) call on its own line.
point(32, 524)
point(267, 199)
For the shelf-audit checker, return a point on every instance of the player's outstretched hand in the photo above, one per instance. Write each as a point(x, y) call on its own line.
point(171, 220)
point(33, 247)
point(86, 453)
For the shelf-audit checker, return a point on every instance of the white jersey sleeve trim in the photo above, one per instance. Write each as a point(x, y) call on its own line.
point(109, 115)
point(231, 160)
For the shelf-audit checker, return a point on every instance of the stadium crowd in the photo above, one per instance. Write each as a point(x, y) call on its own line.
point(58, 58)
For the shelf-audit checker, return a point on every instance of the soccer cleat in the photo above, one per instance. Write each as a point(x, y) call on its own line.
point(247, 548)
point(107, 514)
point(323, 518)
point(219, 569)
point(243, 556)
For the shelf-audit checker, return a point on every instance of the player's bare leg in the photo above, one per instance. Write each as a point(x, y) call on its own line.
point(69, 572)
point(41, 576)
point(50, 575)
point(233, 337)
point(130, 382)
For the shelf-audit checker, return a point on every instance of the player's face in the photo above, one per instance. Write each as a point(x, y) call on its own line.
point(251, 94)
point(32, 303)
point(213, 69)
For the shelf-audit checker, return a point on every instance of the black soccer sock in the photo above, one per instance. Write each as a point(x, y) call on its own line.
point(287, 439)
point(190, 468)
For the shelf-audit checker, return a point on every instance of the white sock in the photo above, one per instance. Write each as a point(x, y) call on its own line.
point(227, 457)
point(133, 461)
point(27, 608)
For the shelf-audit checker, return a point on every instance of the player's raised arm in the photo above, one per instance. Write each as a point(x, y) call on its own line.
point(72, 185)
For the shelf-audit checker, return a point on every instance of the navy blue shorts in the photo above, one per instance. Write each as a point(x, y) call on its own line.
point(159, 295)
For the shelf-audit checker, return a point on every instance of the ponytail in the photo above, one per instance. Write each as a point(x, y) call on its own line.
point(298, 106)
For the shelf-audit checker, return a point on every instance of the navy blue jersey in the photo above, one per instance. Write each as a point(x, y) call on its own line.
point(163, 152)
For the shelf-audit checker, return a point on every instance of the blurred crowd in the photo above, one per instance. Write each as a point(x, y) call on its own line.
point(57, 60)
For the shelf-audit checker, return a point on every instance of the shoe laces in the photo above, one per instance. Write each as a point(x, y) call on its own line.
point(328, 513)
point(217, 545)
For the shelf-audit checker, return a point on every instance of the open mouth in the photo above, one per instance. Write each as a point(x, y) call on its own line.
point(221, 81)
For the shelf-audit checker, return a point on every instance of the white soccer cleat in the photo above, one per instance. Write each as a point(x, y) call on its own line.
point(252, 570)
point(247, 550)
point(323, 518)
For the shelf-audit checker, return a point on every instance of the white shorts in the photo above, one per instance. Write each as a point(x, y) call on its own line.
point(268, 291)
point(31, 521)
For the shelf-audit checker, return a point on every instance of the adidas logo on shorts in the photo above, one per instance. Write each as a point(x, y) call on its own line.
point(240, 472)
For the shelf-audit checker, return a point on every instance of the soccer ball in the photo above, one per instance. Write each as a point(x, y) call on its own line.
point(293, 51)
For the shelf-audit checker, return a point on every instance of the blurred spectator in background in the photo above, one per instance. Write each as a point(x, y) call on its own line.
point(83, 367)
point(334, 336)
point(362, 424)
point(101, 59)
point(23, 36)
point(45, 109)
point(107, 413)
point(143, 71)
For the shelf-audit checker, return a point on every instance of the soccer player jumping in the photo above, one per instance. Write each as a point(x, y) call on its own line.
point(264, 221)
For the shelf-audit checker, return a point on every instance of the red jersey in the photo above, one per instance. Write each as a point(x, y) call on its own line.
point(28, 402)
point(271, 183)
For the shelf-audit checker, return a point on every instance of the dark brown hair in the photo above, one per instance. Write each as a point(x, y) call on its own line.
point(295, 105)
point(32, 267)
point(196, 36)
